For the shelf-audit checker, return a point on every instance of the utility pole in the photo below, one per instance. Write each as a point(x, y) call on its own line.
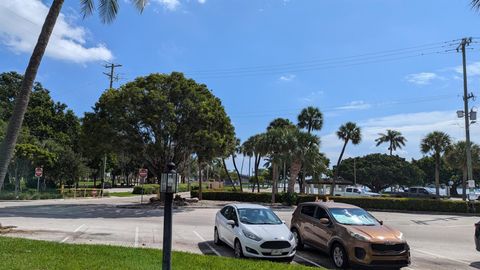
point(111, 74)
point(354, 172)
point(465, 42)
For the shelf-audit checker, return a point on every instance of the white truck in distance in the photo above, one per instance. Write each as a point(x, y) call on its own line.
point(356, 192)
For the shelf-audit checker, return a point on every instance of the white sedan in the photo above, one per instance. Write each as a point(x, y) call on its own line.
point(254, 231)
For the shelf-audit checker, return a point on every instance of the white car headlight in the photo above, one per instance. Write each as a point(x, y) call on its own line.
point(401, 236)
point(359, 236)
point(251, 235)
point(290, 237)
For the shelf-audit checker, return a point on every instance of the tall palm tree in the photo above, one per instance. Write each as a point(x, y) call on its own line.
point(436, 142)
point(393, 138)
point(456, 157)
point(108, 10)
point(238, 150)
point(280, 123)
point(311, 119)
point(347, 132)
point(255, 146)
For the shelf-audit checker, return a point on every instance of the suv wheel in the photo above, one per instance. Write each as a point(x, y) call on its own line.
point(339, 256)
point(298, 239)
point(238, 249)
point(216, 238)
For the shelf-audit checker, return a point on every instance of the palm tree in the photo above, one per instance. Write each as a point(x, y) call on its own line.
point(108, 10)
point(280, 123)
point(255, 146)
point(310, 118)
point(238, 150)
point(393, 138)
point(436, 142)
point(456, 157)
point(347, 132)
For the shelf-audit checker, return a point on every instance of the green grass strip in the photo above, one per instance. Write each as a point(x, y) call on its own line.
point(17, 253)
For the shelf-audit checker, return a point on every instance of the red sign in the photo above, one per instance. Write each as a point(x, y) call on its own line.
point(38, 172)
point(143, 173)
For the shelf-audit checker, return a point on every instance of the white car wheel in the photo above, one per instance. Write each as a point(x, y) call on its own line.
point(216, 238)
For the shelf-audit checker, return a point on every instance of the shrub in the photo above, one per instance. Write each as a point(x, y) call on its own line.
point(369, 203)
point(147, 189)
point(83, 192)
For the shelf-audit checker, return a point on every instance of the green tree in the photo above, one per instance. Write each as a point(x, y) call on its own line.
point(311, 119)
point(108, 10)
point(347, 132)
point(436, 143)
point(256, 147)
point(237, 150)
point(280, 123)
point(380, 171)
point(456, 157)
point(393, 138)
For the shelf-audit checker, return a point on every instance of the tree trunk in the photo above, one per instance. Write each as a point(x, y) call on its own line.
point(391, 147)
point(274, 181)
point(228, 175)
point(23, 96)
point(464, 183)
point(335, 176)
point(294, 170)
point(94, 181)
point(199, 181)
point(238, 173)
point(437, 174)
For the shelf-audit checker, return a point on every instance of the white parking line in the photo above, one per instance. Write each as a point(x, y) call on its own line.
point(209, 246)
point(136, 237)
point(440, 256)
point(68, 237)
point(307, 260)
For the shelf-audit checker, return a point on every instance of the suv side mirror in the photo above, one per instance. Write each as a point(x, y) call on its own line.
point(381, 222)
point(325, 221)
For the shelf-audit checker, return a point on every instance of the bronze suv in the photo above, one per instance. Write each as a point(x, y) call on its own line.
point(350, 235)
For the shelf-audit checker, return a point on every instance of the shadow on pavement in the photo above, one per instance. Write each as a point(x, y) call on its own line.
point(82, 211)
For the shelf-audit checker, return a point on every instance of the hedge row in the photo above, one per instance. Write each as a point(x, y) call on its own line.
point(147, 189)
point(369, 203)
point(83, 192)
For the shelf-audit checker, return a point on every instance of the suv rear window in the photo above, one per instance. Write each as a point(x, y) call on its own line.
point(308, 210)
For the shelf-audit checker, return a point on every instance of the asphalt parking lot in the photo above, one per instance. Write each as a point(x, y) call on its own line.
point(437, 241)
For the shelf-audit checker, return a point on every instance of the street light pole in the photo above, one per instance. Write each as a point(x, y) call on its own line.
point(465, 42)
point(168, 186)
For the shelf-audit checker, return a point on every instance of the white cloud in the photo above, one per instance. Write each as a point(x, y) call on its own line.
point(472, 69)
point(422, 78)
point(414, 126)
point(171, 4)
point(312, 97)
point(287, 78)
point(355, 105)
point(20, 25)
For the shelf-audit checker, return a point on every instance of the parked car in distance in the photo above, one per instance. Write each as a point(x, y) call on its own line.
point(356, 192)
point(477, 235)
point(254, 231)
point(350, 235)
point(418, 192)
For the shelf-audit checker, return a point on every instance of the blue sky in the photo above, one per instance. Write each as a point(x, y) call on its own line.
point(270, 58)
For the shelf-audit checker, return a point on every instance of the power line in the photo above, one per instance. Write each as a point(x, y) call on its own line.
point(111, 75)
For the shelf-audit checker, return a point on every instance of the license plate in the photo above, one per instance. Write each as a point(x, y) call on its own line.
point(276, 252)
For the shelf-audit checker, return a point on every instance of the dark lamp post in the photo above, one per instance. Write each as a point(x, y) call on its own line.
point(168, 186)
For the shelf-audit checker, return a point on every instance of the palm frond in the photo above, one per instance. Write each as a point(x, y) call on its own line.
point(140, 4)
point(475, 4)
point(87, 7)
point(108, 10)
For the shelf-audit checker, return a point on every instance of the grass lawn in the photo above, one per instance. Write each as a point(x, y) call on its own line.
point(17, 253)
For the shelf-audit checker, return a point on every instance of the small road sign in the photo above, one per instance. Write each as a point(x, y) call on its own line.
point(143, 173)
point(38, 172)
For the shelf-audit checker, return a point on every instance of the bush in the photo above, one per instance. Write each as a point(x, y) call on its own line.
point(84, 192)
point(369, 203)
point(234, 196)
point(147, 189)
point(30, 195)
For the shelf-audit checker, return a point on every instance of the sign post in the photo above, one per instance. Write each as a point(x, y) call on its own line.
point(143, 173)
point(38, 174)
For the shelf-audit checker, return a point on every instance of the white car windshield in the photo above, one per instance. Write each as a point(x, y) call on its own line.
point(258, 216)
point(353, 216)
